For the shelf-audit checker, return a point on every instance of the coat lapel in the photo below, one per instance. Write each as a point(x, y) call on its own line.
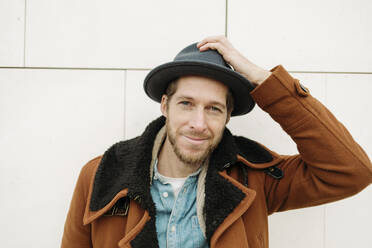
point(137, 219)
point(226, 199)
point(126, 166)
point(122, 165)
point(239, 210)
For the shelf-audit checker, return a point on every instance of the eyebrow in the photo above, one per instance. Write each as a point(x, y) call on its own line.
point(221, 105)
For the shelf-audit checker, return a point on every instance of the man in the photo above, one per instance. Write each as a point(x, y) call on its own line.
point(187, 182)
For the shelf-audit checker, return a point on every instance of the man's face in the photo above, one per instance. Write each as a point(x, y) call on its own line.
point(196, 117)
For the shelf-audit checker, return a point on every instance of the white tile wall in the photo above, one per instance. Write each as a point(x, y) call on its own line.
point(52, 123)
point(11, 32)
point(314, 35)
point(348, 221)
point(113, 33)
point(349, 99)
point(140, 109)
point(297, 228)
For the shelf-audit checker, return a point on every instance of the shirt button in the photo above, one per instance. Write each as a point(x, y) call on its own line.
point(173, 228)
point(165, 194)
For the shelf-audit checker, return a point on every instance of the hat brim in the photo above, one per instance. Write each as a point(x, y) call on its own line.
point(156, 82)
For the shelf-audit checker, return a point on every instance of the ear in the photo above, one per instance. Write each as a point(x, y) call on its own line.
point(163, 105)
point(228, 118)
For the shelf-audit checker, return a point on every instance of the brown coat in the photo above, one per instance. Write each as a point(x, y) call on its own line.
point(112, 207)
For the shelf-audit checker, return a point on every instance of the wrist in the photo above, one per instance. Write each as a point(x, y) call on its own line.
point(261, 76)
point(257, 75)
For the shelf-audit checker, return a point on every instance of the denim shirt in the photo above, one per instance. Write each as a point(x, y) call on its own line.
point(177, 223)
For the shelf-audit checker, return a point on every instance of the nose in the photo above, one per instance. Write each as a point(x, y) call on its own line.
point(198, 121)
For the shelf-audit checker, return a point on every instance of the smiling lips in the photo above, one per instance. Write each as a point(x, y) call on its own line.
point(196, 140)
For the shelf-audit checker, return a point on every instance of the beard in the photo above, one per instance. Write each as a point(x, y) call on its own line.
point(196, 158)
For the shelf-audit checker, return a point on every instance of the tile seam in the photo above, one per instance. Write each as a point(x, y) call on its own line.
point(324, 226)
point(73, 68)
point(125, 105)
point(226, 16)
point(147, 69)
point(24, 33)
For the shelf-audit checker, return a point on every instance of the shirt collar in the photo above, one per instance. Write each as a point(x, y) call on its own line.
point(158, 176)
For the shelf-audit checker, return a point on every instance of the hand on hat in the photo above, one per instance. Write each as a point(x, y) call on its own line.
point(241, 64)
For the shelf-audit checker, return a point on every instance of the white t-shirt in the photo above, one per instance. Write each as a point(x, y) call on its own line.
point(176, 183)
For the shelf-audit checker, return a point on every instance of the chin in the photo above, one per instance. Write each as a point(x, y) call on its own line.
point(194, 157)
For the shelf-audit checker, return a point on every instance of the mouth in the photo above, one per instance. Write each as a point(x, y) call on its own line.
point(196, 140)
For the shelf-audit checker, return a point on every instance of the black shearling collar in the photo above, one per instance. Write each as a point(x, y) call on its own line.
point(126, 162)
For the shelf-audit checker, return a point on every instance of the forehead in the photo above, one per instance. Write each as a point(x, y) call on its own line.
point(201, 87)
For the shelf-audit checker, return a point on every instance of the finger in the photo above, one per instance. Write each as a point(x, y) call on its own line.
point(212, 39)
point(214, 46)
point(207, 46)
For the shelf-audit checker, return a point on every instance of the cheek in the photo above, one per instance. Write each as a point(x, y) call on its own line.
point(177, 124)
point(218, 129)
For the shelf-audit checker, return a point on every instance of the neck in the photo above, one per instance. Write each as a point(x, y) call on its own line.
point(170, 165)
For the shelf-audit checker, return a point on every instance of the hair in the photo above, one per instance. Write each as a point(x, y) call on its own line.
point(172, 88)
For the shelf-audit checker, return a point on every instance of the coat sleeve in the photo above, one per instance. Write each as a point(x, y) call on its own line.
point(330, 164)
point(77, 235)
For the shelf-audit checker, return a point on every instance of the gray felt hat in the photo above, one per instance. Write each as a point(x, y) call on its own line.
point(190, 61)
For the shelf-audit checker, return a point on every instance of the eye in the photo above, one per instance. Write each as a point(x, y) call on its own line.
point(185, 103)
point(215, 109)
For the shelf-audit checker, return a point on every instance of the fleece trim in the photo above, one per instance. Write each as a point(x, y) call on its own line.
point(127, 161)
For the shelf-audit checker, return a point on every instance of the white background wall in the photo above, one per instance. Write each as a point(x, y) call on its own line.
point(71, 76)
